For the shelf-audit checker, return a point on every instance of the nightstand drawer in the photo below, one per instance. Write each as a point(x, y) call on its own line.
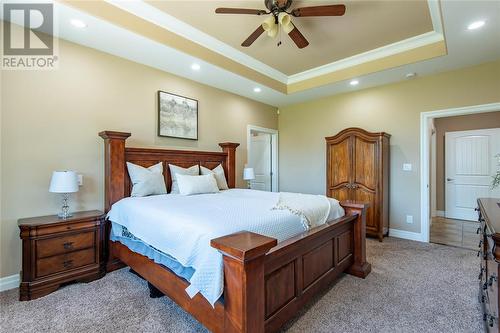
point(64, 244)
point(65, 262)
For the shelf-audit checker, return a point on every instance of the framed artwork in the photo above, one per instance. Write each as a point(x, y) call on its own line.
point(177, 116)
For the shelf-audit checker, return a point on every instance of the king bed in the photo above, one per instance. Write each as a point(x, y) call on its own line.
point(230, 259)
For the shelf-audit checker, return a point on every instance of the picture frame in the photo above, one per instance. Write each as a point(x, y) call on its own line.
point(177, 116)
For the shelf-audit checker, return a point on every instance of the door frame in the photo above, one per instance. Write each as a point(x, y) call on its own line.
point(425, 139)
point(274, 152)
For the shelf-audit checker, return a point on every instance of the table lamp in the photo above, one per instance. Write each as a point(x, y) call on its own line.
point(248, 175)
point(64, 182)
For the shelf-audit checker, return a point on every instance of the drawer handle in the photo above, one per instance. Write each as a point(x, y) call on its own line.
point(68, 263)
point(68, 245)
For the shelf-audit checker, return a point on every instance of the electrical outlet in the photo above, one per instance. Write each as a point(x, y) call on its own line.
point(407, 166)
point(80, 180)
point(409, 219)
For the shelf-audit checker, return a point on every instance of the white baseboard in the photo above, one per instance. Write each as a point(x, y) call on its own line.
point(9, 282)
point(440, 213)
point(405, 234)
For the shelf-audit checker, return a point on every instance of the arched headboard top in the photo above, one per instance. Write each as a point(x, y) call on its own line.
point(116, 154)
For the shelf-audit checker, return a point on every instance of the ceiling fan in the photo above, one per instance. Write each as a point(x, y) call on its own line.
point(281, 16)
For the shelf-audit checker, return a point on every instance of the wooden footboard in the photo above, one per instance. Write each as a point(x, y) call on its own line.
point(266, 285)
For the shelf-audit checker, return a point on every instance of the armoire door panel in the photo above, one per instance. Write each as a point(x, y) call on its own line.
point(363, 195)
point(341, 193)
point(340, 160)
point(365, 163)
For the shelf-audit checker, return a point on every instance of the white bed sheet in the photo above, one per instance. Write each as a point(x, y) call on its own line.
point(182, 227)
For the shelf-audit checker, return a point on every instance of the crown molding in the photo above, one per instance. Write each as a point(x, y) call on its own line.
point(375, 54)
point(173, 24)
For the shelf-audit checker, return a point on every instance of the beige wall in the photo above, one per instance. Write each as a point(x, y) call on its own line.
point(392, 108)
point(452, 124)
point(50, 121)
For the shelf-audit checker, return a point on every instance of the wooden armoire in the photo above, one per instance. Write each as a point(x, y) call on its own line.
point(357, 168)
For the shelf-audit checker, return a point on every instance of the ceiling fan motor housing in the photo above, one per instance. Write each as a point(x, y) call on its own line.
point(277, 5)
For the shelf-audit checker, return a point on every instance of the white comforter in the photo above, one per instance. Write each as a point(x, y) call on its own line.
point(182, 226)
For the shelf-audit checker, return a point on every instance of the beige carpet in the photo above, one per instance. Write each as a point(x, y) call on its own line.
point(413, 287)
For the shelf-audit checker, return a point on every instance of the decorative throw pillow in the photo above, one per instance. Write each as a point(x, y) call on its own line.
point(189, 185)
point(146, 181)
point(218, 172)
point(177, 170)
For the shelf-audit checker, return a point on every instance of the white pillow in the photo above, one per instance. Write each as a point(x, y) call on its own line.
point(189, 185)
point(177, 170)
point(146, 181)
point(218, 172)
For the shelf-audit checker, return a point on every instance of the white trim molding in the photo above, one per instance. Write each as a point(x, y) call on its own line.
point(9, 282)
point(415, 236)
point(424, 156)
point(181, 28)
point(274, 148)
point(375, 54)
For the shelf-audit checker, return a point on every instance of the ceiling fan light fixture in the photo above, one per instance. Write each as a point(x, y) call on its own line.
point(268, 23)
point(284, 18)
point(288, 27)
point(273, 32)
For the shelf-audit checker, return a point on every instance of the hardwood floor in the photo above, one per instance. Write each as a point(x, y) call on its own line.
point(455, 232)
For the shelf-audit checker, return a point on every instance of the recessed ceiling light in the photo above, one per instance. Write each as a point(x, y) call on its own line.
point(475, 25)
point(411, 75)
point(354, 82)
point(78, 23)
point(195, 67)
point(257, 90)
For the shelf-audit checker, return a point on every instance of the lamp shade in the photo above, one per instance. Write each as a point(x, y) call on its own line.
point(248, 174)
point(64, 182)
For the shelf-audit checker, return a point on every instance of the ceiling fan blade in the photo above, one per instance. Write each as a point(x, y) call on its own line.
point(329, 10)
point(253, 37)
point(298, 38)
point(240, 11)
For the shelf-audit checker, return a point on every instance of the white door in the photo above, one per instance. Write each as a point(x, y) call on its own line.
point(260, 161)
point(470, 164)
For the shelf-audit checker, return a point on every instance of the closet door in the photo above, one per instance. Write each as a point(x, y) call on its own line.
point(340, 169)
point(365, 178)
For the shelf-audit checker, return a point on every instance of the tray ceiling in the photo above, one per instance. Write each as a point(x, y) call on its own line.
point(366, 25)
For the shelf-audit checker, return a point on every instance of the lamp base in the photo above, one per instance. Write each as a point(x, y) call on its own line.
point(64, 216)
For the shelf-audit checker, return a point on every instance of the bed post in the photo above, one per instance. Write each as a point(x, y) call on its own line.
point(114, 166)
point(230, 149)
point(360, 268)
point(244, 295)
point(114, 185)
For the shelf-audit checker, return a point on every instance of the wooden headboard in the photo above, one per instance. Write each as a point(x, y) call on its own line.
point(116, 178)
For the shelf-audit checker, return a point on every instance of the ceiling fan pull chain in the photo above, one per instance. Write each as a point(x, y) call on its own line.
point(279, 37)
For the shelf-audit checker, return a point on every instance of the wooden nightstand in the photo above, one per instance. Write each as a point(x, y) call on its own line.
point(57, 251)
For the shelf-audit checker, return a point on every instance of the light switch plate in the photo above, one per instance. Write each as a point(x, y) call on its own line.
point(407, 166)
point(80, 180)
point(409, 219)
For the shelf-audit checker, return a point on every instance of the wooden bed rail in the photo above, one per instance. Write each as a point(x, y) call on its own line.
point(252, 261)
